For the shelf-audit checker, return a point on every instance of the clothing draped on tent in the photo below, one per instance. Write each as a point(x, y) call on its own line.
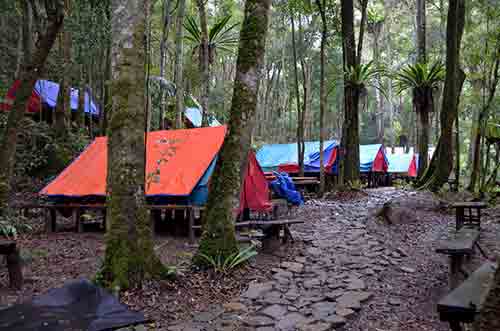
point(254, 193)
point(46, 92)
point(283, 187)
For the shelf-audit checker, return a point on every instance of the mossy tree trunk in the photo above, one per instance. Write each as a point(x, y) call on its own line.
point(31, 70)
point(204, 62)
point(321, 4)
point(129, 257)
point(422, 100)
point(441, 164)
point(179, 63)
point(218, 238)
point(350, 132)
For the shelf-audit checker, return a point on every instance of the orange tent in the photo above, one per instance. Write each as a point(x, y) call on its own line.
point(179, 165)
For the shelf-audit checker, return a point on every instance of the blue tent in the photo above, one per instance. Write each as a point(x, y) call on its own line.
point(272, 155)
point(48, 92)
point(399, 163)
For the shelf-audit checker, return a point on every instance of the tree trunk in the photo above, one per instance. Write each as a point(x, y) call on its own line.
point(442, 160)
point(422, 112)
point(421, 24)
point(63, 106)
point(218, 238)
point(364, 4)
point(129, 256)
point(30, 72)
point(179, 66)
point(322, 94)
point(300, 128)
point(80, 112)
point(483, 115)
point(167, 5)
point(204, 62)
point(350, 132)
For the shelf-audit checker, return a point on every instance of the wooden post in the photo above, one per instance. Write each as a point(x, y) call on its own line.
point(15, 269)
point(456, 262)
point(77, 220)
point(455, 326)
point(191, 224)
point(50, 220)
point(459, 217)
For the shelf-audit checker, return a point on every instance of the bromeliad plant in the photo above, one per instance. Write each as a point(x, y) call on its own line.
point(226, 265)
point(422, 80)
point(221, 36)
point(362, 76)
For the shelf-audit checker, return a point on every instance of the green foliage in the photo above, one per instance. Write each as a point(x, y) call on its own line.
point(39, 153)
point(221, 35)
point(419, 76)
point(363, 76)
point(225, 265)
point(11, 225)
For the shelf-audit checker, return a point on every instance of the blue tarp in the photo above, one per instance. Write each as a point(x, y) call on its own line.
point(399, 163)
point(193, 114)
point(48, 92)
point(283, 187)
point(271, 156)
point(367, 155)
point(199, 196)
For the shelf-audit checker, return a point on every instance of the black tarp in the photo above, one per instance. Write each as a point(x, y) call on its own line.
point(78, 305)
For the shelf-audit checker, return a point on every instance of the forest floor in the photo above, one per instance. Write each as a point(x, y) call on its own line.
point(347, 270)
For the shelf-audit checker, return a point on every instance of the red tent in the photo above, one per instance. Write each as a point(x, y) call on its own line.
point(180, 163)
point(254, 193)
point(412, 170)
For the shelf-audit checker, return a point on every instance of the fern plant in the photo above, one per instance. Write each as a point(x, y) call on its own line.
point(221, 35)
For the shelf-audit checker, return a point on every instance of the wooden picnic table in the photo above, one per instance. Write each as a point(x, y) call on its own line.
point(472, 218)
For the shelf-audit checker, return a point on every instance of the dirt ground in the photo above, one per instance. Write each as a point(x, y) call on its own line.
point(402, 301)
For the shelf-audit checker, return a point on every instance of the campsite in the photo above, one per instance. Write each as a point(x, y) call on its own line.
point(249, 165)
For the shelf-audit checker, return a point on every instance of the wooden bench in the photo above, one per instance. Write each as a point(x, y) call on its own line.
point(472, 218)
point(458, 247)
point(10, 250)
point(463, 304)
point(77, 210)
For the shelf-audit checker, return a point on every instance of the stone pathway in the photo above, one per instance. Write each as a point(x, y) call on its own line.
point(323, 288)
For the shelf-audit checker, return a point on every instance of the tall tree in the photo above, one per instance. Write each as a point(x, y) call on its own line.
point(179, 64)
point(349, 145)
point(322, 93)
point(129, 256)
point(492, 82)
point(300, 122)
point(218, 238)
point(204, 60)
point(30, 72)
point(63, 106)
point(441, 164)
point(166, 21)
point(423, 106)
